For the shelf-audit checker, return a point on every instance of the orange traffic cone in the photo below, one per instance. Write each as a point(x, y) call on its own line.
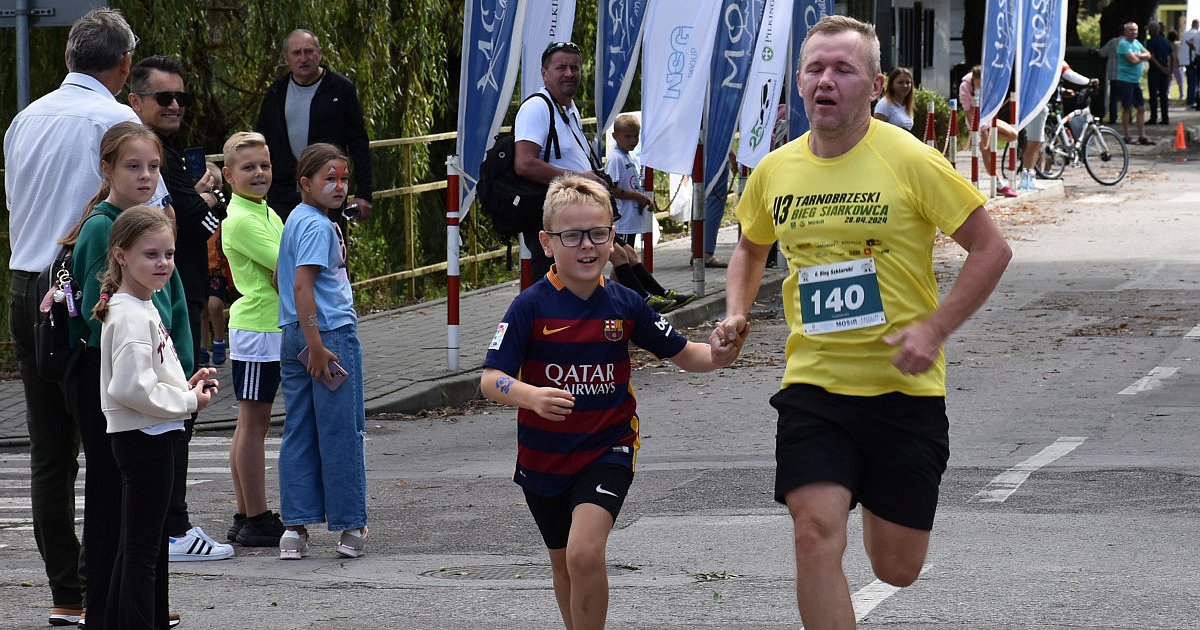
point(1180, 142)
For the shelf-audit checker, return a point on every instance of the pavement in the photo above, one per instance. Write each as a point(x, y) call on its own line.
point(405, 355)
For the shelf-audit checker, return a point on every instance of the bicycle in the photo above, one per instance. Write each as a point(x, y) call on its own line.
point(1079, 138)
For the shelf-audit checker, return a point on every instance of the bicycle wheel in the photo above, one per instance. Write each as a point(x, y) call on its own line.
point(1105, 155)
point(1054, 155)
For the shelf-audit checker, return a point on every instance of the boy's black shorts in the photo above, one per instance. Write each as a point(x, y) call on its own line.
point(890, 451)
point(604, 485)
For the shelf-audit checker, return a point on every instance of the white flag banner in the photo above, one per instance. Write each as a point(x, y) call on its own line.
point(546, 22)
point(676, 64)
point(760, 107)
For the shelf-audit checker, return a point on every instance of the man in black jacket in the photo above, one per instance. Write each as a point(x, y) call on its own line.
point(311, 104)
point(158, 97)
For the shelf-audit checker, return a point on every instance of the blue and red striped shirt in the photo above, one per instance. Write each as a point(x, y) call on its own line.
point(551, 338)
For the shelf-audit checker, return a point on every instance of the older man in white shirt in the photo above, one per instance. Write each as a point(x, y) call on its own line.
point(52, 169)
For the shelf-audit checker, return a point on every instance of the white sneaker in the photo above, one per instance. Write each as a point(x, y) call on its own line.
point(293, 545)
point(353, 543)
point(195, 546)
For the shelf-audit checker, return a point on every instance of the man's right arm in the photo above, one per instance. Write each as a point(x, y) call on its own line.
point(528, 163)
point(742, 280)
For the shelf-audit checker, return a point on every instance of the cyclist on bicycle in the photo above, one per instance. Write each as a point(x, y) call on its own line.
point(1035, 132)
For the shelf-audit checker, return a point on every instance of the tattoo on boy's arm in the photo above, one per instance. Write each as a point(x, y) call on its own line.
point(505, 383)
point(312, 320)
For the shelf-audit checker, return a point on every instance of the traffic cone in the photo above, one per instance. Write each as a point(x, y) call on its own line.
point(1180, 142)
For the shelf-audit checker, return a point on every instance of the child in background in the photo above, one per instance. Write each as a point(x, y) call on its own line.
point(145, 399)
point(637, 218)
point(213, 315)
point(250, 240)
point(567, 337)
point(322, 463)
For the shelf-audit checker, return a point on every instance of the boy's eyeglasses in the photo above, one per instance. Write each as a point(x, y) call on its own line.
point(574, 238)
point(185, 99)
point(559, 46)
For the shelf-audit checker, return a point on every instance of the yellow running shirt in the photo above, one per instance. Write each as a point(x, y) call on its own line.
point(858, 233)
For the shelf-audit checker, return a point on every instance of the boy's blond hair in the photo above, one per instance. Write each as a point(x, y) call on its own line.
point(567, 191)
point(626, 123)
point(241, 140)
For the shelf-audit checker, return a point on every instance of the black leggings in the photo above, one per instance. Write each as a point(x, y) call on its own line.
point(137, 594)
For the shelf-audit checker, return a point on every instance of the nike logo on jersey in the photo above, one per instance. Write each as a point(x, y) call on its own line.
point(600, 490)
point(547, 331)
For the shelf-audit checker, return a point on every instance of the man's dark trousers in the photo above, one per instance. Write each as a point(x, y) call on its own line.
point(53, 451)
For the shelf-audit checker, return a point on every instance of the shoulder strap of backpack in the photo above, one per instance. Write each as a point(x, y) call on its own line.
point(552, 133)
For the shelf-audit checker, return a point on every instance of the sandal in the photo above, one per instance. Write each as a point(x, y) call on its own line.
point(1144, 141)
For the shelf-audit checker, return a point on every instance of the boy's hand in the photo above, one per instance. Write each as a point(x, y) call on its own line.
point(552, 403)
point(727, 339)
point(318, 362)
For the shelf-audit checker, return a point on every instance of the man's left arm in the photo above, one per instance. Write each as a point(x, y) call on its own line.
point(988, 254)
point(194, 217)
point(358, 144)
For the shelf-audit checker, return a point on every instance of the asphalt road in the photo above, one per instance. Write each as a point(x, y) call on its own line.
point(1072, 499)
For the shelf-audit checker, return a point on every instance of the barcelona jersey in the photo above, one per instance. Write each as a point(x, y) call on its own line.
point(551, 338)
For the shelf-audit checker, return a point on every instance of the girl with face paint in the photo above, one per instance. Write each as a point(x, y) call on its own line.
point(322, 467)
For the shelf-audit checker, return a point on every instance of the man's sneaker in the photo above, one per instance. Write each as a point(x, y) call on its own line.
point(353, 543)
point(661, 304)
point(680, 299)
point(293, 545)
point(65, 615)
point(263, 530)
point(220, 351)
point(239, 520)
point(196, 545)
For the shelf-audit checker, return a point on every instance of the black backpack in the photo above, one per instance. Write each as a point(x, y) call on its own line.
point(512, 202)
point(51, 340)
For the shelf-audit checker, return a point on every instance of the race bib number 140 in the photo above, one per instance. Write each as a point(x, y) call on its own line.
point(840, 296)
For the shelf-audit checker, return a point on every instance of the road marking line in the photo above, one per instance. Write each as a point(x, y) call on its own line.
point(868, 597)
point(1194, 333)
point(1150, 381)
point(1007, 482)
point(873, 594)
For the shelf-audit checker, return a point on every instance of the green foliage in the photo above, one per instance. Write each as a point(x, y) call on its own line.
point(923, 100)
point(1088, 27)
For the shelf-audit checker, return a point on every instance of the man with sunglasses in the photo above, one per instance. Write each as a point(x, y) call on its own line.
point(541, 155)
point(312, 104)
point(52, 169)
point(158, 97)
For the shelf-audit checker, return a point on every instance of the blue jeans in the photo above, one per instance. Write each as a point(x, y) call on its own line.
point(322, 460)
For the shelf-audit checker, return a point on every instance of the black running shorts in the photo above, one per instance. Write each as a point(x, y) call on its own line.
point(604, 485)
point(890, 451)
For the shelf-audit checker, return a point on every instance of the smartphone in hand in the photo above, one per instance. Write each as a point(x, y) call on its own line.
point(337, 375)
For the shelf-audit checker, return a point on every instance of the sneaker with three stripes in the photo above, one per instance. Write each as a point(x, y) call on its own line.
point(196, 545)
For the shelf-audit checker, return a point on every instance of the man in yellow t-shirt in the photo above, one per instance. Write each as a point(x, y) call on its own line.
point(855, 205)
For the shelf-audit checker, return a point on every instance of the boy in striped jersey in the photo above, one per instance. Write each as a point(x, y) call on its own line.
point(561, 355)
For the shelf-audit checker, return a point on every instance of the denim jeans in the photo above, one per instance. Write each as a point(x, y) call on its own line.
point(322, 460)
point(53, 452)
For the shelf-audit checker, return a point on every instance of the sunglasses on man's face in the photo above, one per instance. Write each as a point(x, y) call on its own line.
point(164, 99)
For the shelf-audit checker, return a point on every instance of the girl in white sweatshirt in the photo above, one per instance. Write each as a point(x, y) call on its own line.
point(145, 396)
